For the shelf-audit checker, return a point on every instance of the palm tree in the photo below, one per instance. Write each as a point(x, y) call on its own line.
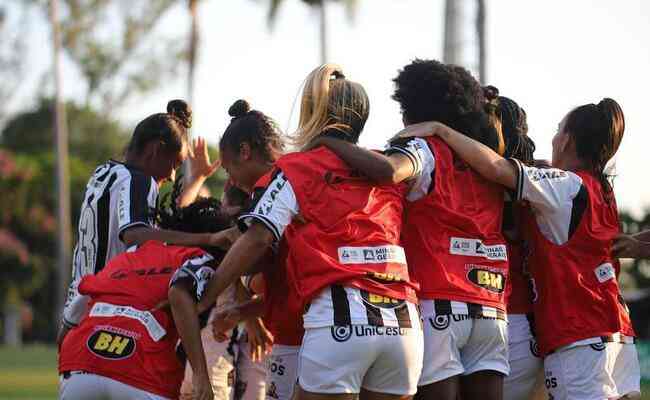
point(62, 174)
point(320, 5)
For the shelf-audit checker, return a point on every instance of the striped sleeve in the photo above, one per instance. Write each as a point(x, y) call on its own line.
point(197, 272)
point(424, 162)
point(274, 207)
point(137, 196)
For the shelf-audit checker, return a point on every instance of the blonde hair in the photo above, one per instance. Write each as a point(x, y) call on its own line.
point(330, 102)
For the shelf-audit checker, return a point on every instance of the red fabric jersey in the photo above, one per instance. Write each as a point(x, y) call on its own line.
point(453, 238)
point(352, 234)
point(519, 296)
point(282, 307)
point(519, 289)
point(121, 347)
point(576, 283)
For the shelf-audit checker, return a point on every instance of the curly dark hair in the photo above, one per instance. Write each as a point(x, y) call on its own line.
point(253, 127)
point(204, 215)
point(428, 90)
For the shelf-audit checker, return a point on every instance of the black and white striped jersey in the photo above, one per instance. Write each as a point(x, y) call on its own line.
point(339, 305)
point(118, 197)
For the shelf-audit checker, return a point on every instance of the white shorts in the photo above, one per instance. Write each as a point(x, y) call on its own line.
point(282, 372)
point(344, 359)
point(96, 387)
point(597, 371)
point(220, 367)
point(459, 345)
point(250, 378)
point(526, 366)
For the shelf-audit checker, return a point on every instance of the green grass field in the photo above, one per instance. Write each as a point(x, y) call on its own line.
point(30, 373)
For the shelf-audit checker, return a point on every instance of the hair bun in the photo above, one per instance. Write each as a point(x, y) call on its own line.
point(239, 108)
point(181, 111)
point(490, 92)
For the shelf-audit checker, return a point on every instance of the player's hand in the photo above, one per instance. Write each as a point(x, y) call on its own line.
point(223, 323)
point(626, 246)
point(422, 129)
point(260, 339)
point(201, 387)
point(201, 167)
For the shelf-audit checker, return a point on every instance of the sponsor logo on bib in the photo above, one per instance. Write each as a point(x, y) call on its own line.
point(490, 280)
point(380, 301)
point(605, 272)
point(371, 255)
point(476, 248)
point(111, 345)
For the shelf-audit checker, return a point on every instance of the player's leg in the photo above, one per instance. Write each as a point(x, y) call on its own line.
point(485, 359)
point(444, 336)
point(282, 372)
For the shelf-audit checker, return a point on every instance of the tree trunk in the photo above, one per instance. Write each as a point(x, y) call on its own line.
point(62, 169)
point(193, 48)
point(453, 25)
point(12, 319)
point(322, 11)
point(480, 33)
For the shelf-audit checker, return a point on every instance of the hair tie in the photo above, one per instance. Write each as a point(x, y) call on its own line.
point(338, 75)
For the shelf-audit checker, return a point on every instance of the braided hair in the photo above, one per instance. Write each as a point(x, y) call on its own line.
point(514, 126)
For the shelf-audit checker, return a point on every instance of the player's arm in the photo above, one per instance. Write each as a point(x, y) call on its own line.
point(73, 311)
point(378, 167)
point(241, 259)
point(139, 234)
point(184, 310)
point(200, 169)
point(480, 157)
point(632, 246)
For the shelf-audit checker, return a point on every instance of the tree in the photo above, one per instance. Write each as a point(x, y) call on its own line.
point(116, 47)
point(320, 6)
point(12, 60)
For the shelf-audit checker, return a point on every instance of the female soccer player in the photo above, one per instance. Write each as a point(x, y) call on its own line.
point(125, 347)
point(452, 234)
point(526, 366)
point(582, 324)
point(249, 149)
point(362, 328)
point(120, 196)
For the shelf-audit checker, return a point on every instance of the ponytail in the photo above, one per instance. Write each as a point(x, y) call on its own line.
point(330, 102)
point(597, 130)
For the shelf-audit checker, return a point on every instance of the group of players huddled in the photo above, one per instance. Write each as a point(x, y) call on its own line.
point(450, 265)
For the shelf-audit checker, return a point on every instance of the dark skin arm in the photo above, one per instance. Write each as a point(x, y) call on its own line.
point(241, 259)
point(376, 166)
point(632, 246)
point(184, 310)
point(140, 234)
